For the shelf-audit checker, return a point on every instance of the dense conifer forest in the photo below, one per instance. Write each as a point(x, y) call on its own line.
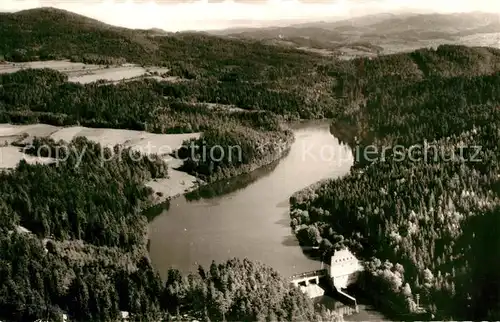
point(240, 290)
point(425, 227)
point(423, 200)
point(73, 239)
point(85, 248)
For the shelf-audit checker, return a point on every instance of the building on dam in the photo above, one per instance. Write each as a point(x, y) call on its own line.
point(344, 270)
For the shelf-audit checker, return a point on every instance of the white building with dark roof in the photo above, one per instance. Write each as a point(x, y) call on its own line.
point(344, 268)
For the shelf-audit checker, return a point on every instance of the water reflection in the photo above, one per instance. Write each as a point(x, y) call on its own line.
point(225, 187)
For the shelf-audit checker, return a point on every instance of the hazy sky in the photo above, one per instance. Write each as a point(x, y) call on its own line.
point(174, 15)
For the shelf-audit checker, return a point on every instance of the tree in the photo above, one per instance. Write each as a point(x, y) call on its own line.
point(406, 290)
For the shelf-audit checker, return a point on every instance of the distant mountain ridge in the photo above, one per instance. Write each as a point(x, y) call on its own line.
point(48, 33)
point(375, 31)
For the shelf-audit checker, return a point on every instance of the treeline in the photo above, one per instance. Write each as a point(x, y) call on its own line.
point(244, 73)
point(376, 98)
point(45, 95)
point(224, 187)
point(89, 283)
point(86, 282)
point(430, 108)
point(98, 59)
point(47, 33)
point(230, 89)
point(267, 77)
point(337, 89)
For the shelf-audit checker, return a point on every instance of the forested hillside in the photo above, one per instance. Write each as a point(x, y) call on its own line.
point(425, 226)
point(86, 250)
point(422, 211)
point(29, 34)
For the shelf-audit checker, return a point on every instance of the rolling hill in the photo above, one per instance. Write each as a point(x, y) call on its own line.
point(50, 33)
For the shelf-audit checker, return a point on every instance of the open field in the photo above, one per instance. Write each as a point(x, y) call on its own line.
point(88, 73)
point(110, 74)
point(119, 73)
point(141, 141)
point(144, 142)
point(11, 155)
point(64, 66)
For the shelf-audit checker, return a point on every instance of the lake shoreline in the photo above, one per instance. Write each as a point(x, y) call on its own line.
point(197, 185)
point(270, 159)
point(224, 219)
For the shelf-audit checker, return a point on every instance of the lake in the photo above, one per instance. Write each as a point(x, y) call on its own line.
point(248, 216)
